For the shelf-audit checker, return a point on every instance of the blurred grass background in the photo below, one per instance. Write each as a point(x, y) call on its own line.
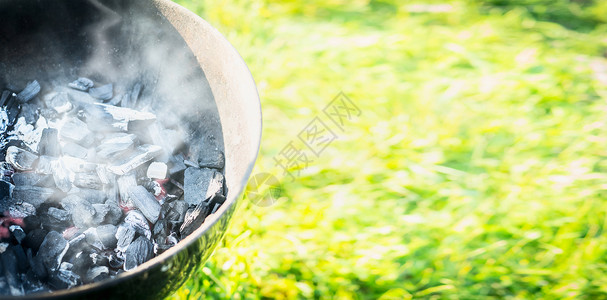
point(476, 170)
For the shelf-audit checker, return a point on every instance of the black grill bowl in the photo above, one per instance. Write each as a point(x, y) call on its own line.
point(194, 73)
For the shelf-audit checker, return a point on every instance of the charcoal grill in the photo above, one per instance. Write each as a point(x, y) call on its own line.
point(200, 76)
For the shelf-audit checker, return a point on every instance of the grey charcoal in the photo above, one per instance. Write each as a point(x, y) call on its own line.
point(104, 175)
point(160, 229)
point(212, 158)
point(64, 278)
point(138, 252)
point(17, 232)
point(87, 180)
point(145, 202)
point(124, 236)
point(141, 155)
point(61, 215)
point(115, 145)
point(61, 175)
point(104, 92)
point(137, 220)
point(78, 98)
point(31, 90)
point(81, 84)
point(194, 218)
point(82, 211)
point(201, 185)
point(59, 102)
point(207, 153)
point(52, 250)
point(180, 208)
point(75, 150)
point(124, 184)
point(49, 142)
point(107, 235)
point(77, 131)
point(20, 159)
point(33, 195)
point(55, 219)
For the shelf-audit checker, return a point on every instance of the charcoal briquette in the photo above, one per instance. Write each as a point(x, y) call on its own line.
point(145, 202)
point(31, 179)
point(33, 195)
point(138, 221)
point(87, 180)
point(77, 131)
point(21, 159)
point(49, 142)
point(194, 218)
point(104, 92)
point(125, 234)
point(201, 184)
point(138, 252)
point(136, 158)
point(52, 250)
point(31, 90)
point(81, 84)
point(63, 279)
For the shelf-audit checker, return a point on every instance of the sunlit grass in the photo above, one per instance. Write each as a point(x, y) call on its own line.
point(475, 170)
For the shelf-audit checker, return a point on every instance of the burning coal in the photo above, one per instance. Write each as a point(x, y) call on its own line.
point(93, 185)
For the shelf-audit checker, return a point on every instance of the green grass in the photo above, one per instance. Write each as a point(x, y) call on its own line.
point(476, 170)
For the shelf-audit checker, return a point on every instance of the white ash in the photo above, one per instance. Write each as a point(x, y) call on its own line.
point(91, 187)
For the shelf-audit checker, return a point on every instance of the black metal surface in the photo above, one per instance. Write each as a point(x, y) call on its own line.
point(195, 73)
